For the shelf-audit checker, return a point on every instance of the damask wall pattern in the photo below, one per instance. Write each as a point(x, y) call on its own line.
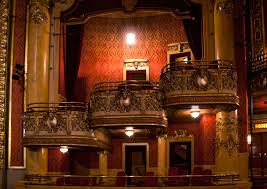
point(17, 88)
point(104, 48)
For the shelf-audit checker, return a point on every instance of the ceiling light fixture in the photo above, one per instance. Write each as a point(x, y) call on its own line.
point(63, 149)
point(130, 38)
point(129, 131)
point(249, 138)
point(195, 112)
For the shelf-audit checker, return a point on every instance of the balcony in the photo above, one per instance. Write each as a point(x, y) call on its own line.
point(258, 77)
point(58, 124)
point(209, 84)
point(124, 103)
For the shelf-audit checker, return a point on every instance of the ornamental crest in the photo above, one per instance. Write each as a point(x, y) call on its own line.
point(38, 16)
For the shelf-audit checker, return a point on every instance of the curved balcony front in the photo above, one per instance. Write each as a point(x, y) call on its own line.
point(209, 84)
point(127, 103)
point(60, 124)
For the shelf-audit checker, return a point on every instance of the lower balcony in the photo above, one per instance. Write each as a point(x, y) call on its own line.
point(124, 103)
point(208, 84)
point(60, 124)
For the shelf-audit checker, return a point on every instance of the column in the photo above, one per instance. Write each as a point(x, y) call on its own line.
point(38, 73)
point(226, 156)
point(161, 155)
point(37, 160)
point(38, 53)
point(224, 30)
point(103, 163)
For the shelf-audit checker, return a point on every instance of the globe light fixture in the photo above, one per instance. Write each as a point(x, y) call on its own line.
point(129, 131)
point(195, 112)
point(64, 149)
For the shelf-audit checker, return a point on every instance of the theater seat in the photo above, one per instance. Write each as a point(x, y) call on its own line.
point(150, 181)
point(120, 180)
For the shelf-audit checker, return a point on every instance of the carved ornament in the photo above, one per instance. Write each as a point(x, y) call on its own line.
point(227, 127)
point(129, 5)
point(225, 6)
point(38, 16)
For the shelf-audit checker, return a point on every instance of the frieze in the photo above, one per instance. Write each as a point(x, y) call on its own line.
point(125, 101)
point(225, 6)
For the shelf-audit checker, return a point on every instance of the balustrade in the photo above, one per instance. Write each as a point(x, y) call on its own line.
point(205, 83)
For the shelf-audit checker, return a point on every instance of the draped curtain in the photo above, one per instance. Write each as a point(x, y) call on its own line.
point(193, 30)
point(74, 36)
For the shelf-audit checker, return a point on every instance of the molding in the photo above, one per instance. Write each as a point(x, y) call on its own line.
point(115, 121)
point(4, 22)
point(224, 102)
point(65, 141)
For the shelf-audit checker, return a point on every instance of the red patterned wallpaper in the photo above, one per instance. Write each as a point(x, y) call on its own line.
point(17, 90)
point(104, 48)
point(57, 161)
point(207, 139)
point(203, 131)
point(115, 158)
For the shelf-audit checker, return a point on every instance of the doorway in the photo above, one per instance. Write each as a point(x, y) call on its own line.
point(259, 154)
point(135, 162)
point(180, 156)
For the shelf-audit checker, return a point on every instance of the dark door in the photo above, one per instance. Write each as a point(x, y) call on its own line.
point(259, 153)
point(180, 155)
point(135, 162)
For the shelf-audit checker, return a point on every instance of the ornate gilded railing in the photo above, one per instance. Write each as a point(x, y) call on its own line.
point(127, 102)
point(258, 78)
point(65, 123)
point(209, 83)
point(259, 63)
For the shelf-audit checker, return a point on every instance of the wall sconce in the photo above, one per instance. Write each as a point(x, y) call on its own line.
point(64, 149)
point(249, 139)
point(195, 112)
point(130, 38)
point(18, 74)
point(129, 131)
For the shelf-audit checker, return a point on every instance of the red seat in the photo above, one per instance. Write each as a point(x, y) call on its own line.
point(120, 180)
point(207, 180)
point(73, 181)
point(150, 181)
point(172, 172)
point(197, 180)
point(60, 181)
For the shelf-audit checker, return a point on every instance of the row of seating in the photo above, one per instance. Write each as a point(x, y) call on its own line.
point(176, 177)
point(76, 181)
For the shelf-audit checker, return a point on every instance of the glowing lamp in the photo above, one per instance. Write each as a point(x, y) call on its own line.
point(64, 149)
point(129, 131)
point(195, 112)
point(130, 38)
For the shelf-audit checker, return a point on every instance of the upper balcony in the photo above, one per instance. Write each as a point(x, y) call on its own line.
point(60, 124)
point(124, 103)
point(209, 84)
